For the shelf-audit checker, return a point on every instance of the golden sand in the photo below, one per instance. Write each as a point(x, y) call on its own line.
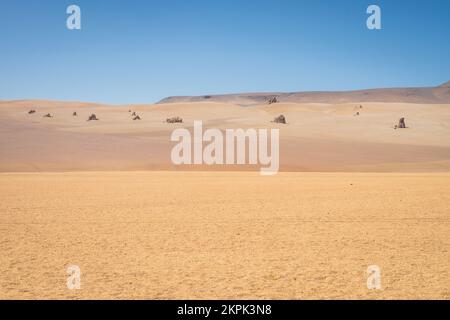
point(203, 235)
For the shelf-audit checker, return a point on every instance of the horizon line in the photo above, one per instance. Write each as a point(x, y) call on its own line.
point(224, 94)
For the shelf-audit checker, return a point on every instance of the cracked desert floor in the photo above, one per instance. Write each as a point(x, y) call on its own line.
point(225, 235)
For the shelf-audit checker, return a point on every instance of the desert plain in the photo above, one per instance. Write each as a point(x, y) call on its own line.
point(352, 191)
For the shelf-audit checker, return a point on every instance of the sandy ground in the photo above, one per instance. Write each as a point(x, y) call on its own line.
point(105, 196)
point(224, 235)
point(318, 137)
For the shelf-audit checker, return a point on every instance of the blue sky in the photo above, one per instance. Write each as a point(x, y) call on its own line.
point(132, 51)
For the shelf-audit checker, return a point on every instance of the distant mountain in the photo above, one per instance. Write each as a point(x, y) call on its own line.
point(445, 85)
point(426, 95)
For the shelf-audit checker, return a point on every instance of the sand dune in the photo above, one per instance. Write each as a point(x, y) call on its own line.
point(318, 136)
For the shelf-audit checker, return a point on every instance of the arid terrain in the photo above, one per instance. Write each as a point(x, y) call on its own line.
point(345, 137)
point(224, 235)
point(353, 191)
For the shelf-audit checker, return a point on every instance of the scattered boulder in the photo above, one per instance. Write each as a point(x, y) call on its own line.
point(356, 114)
point(280, 119)
point(273, 100)
point(31, 111)
point(48, 115)
point(401, 123)
point(133, 114)
point(137, 118)
point(74, 114)
point(92, 117)
point(174, 120)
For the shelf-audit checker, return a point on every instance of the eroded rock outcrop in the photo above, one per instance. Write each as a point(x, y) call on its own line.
point(92, 117)
point(273, 100)
point(174, 120)
point(280, 119)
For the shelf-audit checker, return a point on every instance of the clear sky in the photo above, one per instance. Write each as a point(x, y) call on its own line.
point(136, 51)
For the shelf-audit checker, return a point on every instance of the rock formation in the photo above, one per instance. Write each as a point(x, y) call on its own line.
point(92, 117)
point(273, 100)
point(174, 120)
point(280, 119)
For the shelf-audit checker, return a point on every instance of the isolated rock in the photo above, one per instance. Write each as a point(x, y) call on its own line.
point(401, 123)
point(273, 100)
point(133, 114)
point(92, 117)
point(280, 119)
point(137, 118)
point(31, 111)
point(74, 114)
point(48, 115)
point(174, 120)
point(356, 114)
